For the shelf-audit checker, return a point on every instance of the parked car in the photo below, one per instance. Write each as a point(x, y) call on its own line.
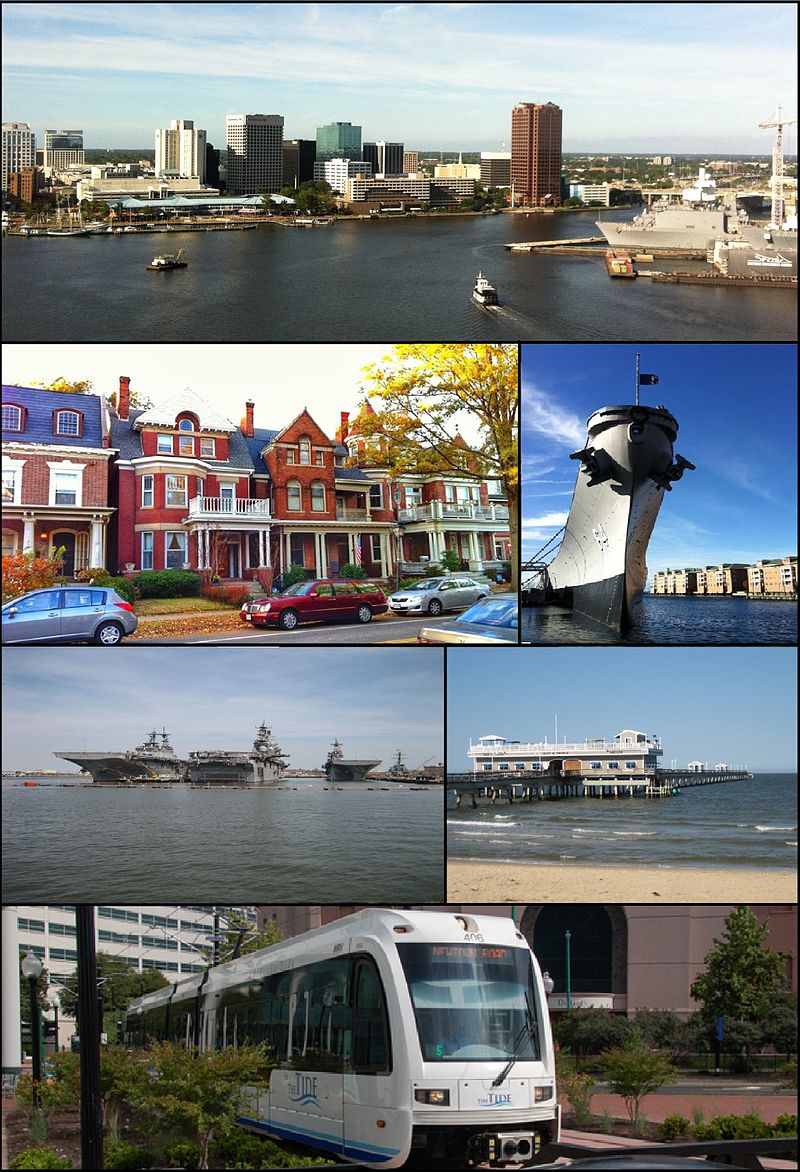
point(492, 620)
point(68, 614)
point(434, 595)
point(317, 601)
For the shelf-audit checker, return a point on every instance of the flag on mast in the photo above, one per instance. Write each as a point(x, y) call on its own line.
point(648, 380)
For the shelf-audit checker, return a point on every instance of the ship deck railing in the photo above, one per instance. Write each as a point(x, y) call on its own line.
point(543, 749)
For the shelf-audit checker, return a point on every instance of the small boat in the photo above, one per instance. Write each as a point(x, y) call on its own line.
point(484, 292)
point(167, 261)
point(619, 263)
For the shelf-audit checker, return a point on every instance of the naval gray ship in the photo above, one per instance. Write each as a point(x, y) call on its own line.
point(339, 768)
point(153, 760)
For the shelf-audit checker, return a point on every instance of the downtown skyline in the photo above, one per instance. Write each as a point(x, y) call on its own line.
point(318, 63)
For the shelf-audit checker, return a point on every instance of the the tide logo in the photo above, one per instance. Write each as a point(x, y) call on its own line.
point(304, 1090)
point(493, 1100)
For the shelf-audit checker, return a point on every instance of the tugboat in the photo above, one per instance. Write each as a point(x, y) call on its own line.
point(619, 263)
point(160, 264)
point(484, 292)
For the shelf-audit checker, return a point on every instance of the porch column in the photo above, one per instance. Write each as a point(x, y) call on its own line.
point(267, 555)
point(475, 552)
point(287, 557)
point(351, 549)
point(384, 554)
point(322, 557)
point(29, 535)
point(434, 546)
point(98, 555)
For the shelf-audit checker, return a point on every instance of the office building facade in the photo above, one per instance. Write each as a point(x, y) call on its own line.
point(410, 162)
point(62, 149)
point(299, 156)
point(255, 153)
point(386, 157)
point(496, 168)
point(338, 140)
point(181, 151)
point(19, 149)
point(336, 172)
point(536, 154)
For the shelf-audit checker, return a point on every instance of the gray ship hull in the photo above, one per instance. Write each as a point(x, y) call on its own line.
point(125, 767)
point(681, 229)
point(350, 770)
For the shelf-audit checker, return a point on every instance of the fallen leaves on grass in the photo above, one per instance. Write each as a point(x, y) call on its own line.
point(197, 624)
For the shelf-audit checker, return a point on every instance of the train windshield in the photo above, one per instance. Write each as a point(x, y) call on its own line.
point(472, 1001)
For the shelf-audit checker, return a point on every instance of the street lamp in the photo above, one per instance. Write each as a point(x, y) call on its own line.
point(548, 982)
point(55, 1001)
point(32, 970)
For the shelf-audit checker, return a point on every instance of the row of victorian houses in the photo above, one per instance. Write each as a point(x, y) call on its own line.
point(179, 486)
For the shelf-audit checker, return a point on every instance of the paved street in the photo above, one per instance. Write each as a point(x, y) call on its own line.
point(383, 630)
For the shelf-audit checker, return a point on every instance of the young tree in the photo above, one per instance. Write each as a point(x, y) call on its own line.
point(118, 983)
point(422, 391)
point(633, 1072)
point(743, 976)
point(236, 929)
point(25, 571)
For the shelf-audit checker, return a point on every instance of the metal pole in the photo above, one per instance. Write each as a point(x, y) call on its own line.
point(567, 938)
point(36, 1044)
point(89, 1018)
point(215, 939)
point(637, 379)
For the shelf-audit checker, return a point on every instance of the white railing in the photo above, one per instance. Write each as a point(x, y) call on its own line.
point(561, 749)
point(221, 506)
point(452, 510)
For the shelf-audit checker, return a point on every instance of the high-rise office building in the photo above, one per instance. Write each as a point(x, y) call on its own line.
point(181, 151)
point(62, 148)
point(255, 153)
point(299, 155)
point(496, 168)
point(386, 157)
point(336, 172)
point(410, 162)
point(338, 140)
point(536, 154)
point(19, 149)
point(212, 165)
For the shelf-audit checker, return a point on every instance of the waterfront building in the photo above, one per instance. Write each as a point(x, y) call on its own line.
point(495, 168)
point(62, 149)
point(536, 154)
point(410, 162)
point(299, 156)
point(24, 185)
point(598, 193)
point(181, 151)
point(338, 140)
point(336, 172)
point(55, 461)
point(142, 187)
point(386, 157)
point(255, 153)
point(773, 576)
point(457, 170)
point(627, 756)
point(727, 578)
point(401, 193)
point(18, 149)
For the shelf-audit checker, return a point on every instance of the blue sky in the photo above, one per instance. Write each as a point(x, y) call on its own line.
point(375, 700)
point(732, 704)
point(736, 407)
point(660, 77)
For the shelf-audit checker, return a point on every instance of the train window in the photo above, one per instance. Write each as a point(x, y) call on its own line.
point(370, 1022)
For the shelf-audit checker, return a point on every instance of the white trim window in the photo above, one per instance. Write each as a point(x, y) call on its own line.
point(10, 543)
point(185, 444)
point(68, 423)
point(319, 457)
point(12, 417)
point(12, 481)
point(304, 446)
point(294, 496)
point(147, 551)
point(318, 497)
point(376, 496)
point(208, 447)
point(147, 492)
point(66, 483)
point(175, 492)
point(375, 547)
point(164, 444)
point(175, 549)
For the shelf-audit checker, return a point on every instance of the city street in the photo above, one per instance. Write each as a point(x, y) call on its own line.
point(382, 630)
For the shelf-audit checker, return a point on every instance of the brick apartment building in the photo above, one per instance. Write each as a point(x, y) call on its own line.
point(769, 576)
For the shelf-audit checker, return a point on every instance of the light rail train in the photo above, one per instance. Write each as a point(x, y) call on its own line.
point(402, 1038)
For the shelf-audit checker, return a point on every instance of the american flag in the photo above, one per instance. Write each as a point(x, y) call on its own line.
point(357, 550)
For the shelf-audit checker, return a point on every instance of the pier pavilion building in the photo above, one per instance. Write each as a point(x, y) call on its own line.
point(628, 756)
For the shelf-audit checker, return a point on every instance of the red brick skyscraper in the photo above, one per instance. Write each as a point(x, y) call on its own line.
point(536, 154)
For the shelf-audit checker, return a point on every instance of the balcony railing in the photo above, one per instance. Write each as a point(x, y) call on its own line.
point(225, 506)
point(345, 514)
point(453, 510)
point(561, 749)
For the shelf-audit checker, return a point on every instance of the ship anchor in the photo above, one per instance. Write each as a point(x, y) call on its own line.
point(673, 473)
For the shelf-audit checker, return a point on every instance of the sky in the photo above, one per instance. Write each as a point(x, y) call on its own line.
point(637, 77)
point(711, 704)
point(374, 700)
point(736, 407)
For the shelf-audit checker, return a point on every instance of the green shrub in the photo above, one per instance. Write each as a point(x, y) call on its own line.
point(579, 1089)
point(673, 1127)
point(406, 583)
point(167, 584)
point(351, 570)
point(182, 1153)
point(227, 595)
point(241, 1149)
point(118, 1154)
point(785, 1125)
point(293, 574)
point(640, 1125)
point(608, 1123)
point(733, 1127)
point(40, 1158)
point(123, 586)
point(451, 559)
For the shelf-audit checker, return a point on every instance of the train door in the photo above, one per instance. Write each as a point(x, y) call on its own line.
point(306, 1101)
point(377, 1114)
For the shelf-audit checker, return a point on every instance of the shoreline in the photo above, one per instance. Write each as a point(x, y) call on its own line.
point(488, 882)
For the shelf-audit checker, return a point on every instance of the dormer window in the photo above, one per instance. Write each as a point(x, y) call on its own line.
point(164, 445)
point(68, 422)
point(186, 425)
point(305, 451)
point(208, 448)
point(13, 417)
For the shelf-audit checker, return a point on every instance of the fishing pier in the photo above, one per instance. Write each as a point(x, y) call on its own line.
point(561, 784)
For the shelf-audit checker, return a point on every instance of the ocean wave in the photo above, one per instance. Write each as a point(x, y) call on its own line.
point(766, 829)
point(635, 833)
point(790, 843)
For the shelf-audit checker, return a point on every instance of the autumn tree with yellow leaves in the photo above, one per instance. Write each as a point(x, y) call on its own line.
point(423, 394)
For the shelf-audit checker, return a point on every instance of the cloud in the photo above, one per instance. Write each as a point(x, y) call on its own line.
point(531, 524)
point(542, 415)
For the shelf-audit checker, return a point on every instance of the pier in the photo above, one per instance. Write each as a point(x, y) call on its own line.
point(663, 783)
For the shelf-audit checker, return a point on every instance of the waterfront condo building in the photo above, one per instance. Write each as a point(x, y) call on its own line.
point(773, 576)
point(336, 172)
point(536, 154)
point(338, 140)
point(62, 149)
point(56, 458)
point(255, 153)
point(181, 151)
point(18, 149)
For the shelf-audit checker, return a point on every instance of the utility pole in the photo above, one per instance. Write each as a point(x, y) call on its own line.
point(89, 1025)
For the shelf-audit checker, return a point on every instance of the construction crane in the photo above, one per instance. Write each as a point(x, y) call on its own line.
point(776, 216)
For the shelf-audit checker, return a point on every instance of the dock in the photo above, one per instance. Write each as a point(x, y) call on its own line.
point(663, 783)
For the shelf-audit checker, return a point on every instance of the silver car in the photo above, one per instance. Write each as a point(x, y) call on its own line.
point(434, 595)
point(69, 614)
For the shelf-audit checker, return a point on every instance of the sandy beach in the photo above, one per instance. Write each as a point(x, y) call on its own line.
point(483, 882)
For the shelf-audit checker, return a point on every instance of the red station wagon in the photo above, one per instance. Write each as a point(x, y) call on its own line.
point(317, 601)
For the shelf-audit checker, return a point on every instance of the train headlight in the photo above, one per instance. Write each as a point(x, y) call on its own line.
point(433, 1098)
point(542, 1093)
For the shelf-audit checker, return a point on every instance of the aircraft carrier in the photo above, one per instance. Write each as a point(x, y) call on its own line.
point(339, 768)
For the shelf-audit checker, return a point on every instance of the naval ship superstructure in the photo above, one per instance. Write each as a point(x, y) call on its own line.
point(339, 768)
point(626, 466)
point(156, 761)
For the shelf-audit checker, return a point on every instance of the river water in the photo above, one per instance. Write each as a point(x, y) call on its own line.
point(735, 824)
point(368, 281)
point(672, 620)
point(300, 842)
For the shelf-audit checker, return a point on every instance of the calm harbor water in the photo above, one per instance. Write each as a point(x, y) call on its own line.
point(736, 824)
point(297, 843)
point(376, 280)
point(673, 621)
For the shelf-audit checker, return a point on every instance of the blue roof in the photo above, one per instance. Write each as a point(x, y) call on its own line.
point(40, 405)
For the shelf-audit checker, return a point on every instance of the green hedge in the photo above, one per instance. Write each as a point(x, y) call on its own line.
point(167, 584)
point(40, 1158)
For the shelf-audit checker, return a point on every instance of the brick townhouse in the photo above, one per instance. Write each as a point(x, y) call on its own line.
point(56, 457)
